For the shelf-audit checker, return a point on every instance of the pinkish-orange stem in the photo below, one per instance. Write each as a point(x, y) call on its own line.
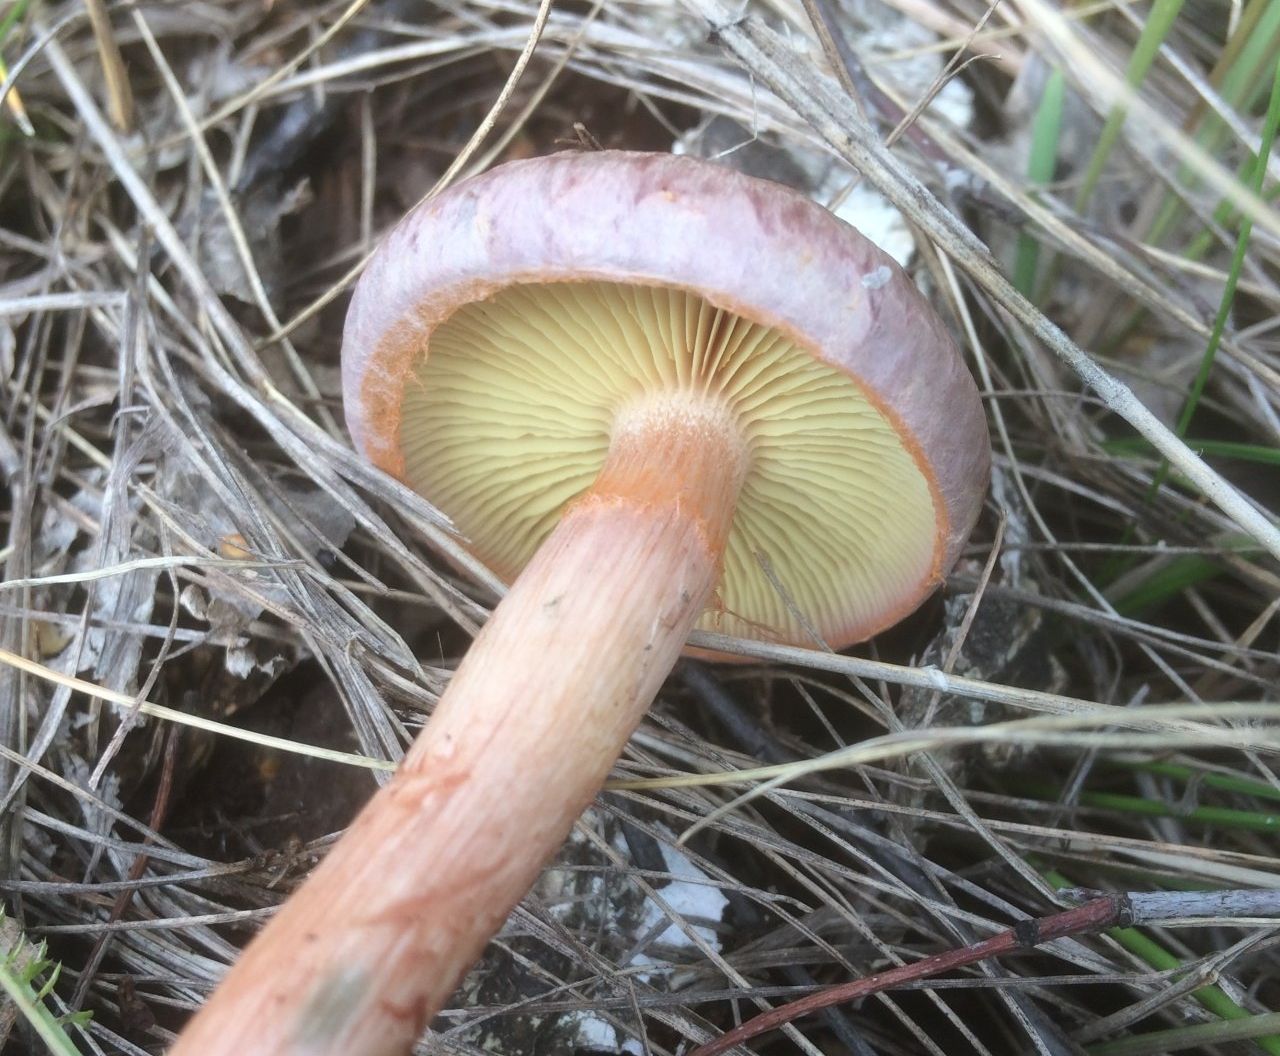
point(375, 942)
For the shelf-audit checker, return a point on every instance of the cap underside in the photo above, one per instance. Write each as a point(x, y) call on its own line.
point(507, 419)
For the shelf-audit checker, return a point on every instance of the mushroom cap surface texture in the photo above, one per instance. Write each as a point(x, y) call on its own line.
point(507, 327)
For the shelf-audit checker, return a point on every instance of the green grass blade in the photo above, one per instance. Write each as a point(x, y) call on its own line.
point(1233, 278)
point(1218, 817)
point(1222, 782)
point(1237, 260)
point(1166, 582)
point(1241, 79)
point(11, 18)
point(1269, 126)
point(1163, 14)
point(1267, 456)
point(1045, 131)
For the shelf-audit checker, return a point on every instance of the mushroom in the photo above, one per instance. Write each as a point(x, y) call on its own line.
point(650, 392)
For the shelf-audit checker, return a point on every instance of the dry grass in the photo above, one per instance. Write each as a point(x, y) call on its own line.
point(1092, 699)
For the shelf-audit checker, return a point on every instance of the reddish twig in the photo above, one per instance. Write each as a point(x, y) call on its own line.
point(159, 811)
point(1092, 916)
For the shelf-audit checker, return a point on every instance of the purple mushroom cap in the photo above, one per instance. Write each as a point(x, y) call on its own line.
point(743, 249)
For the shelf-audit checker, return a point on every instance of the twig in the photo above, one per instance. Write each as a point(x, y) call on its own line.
point(1166, 906)
point(1098, 911)
point(1025, 935)
point(159, 812)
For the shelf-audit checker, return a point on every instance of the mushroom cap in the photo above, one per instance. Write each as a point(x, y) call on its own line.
point(501, 325)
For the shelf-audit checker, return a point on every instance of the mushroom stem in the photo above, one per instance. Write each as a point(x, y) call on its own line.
point(369, 949)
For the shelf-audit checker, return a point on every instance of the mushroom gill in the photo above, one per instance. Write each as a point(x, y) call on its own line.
point(509, 413)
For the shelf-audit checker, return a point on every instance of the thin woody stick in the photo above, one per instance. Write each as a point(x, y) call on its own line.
point(1025, 935)
point(1099, 912)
